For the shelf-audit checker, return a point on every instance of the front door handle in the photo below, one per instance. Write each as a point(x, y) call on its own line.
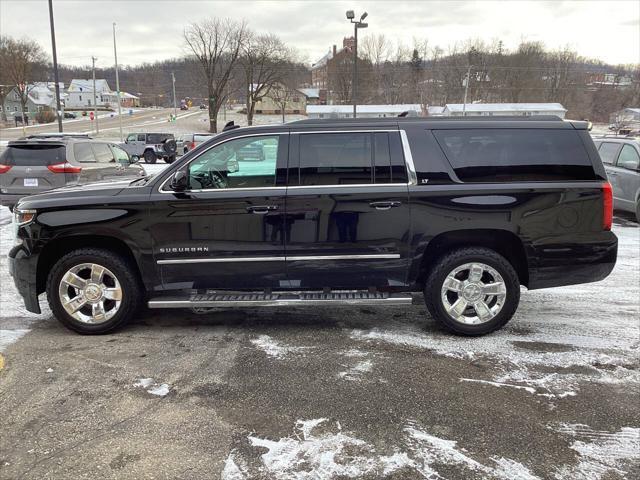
point(262, 209)
point(384, 205)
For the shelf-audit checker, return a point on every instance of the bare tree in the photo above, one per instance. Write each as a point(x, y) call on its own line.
point(4, 77)
point(24, 61)
point(262, 59)
point(216, 44)
point(282, 94)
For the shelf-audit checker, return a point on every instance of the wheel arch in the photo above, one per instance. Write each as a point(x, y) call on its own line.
point(60, 246)
point(504, 242)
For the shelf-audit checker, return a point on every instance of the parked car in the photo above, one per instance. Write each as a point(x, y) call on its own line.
point(189, 141)
point(37, 165)
point(353, 211)
point(621, 159)
point(151, 146)
point(70, 115)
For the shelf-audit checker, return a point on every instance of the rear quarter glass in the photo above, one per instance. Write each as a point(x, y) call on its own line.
point(494, 155)
point(33, 155)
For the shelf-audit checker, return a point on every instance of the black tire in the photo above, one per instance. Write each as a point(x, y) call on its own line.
point(126, 276)
point(456, 258)
point(170, 159)
point(149, 157)
point(170, 146)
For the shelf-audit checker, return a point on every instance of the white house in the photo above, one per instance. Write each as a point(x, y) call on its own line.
point(80, 94)
point(362, 111)
point(626, 115)
point(495, 109)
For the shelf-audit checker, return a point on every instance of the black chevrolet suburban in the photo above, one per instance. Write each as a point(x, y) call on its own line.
point(355, 211)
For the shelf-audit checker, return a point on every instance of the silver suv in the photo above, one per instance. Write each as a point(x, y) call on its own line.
point(151, 146)
point(37, 165)
point(621, 159)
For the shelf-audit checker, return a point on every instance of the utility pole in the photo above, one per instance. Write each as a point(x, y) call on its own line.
point(466, 90)
point(55, 68)
point(173, 81)
point(356, 25)
point(95, 103)
point(115, 54)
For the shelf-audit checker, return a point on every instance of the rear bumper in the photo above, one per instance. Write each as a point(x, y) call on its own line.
point(559, 265)
point(11, 198)
point(22, 267)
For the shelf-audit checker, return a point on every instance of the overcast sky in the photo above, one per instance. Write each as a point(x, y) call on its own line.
point(150, 30)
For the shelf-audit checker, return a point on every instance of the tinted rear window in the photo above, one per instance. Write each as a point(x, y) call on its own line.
point(33, 155)
point(489, 155)
point(158, 137)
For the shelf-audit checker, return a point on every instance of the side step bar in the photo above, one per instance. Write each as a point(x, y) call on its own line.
point(277, 299)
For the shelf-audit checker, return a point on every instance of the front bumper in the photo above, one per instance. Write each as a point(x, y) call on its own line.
point(23, 270)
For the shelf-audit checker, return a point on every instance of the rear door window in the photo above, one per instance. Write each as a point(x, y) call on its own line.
point(629, 158)
point(83, 153)
point(608, 152)
point(336, 158)
point(102, 152)
point(495, 155)
point(33, 155)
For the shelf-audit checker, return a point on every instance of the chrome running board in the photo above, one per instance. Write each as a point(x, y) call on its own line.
point(278, 299)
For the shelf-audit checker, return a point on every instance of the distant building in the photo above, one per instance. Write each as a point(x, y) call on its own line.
point(128, 100)
point(40, 96)
point(294, 101)
point(508, 109)
point(324, 69)
point(626, 115)
point(80, 94)
point(362, 111)
point(314, 96)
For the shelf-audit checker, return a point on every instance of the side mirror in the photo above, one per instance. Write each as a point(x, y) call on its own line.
point(180, 181)
point(134, 159)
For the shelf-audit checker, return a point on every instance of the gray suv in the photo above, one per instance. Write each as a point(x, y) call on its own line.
point(621, 159)
point(151, 146)
point(37, 165)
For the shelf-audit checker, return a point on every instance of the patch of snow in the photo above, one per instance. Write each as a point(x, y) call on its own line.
point(153, 387)
point(7, 337)
point(274, 348)
point(498, 384)
point(231, 470)
point(355, 372)
point(49, 370)
point(601, 454)
point(330, 455)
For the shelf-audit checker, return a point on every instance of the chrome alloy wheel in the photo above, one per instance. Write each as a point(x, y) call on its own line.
point(90, 293)
point(473, 293)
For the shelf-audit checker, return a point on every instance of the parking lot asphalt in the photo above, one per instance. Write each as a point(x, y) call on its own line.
point(328, 393)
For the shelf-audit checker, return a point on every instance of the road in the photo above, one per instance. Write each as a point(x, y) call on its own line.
point(146, 120)
point(328, 393)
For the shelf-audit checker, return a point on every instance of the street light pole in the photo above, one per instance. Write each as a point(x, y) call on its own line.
point(55, 68)
point(173, 81)
point(95, 103)
point(466, 90)
point(115, 54)
point(356, 25)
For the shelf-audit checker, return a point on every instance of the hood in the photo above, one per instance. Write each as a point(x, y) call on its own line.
point(88, 193)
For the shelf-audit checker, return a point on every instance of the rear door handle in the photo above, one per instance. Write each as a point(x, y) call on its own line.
point(262, 209)
point(384, 205)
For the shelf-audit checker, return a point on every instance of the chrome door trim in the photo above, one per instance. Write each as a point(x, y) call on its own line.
point(411, 168)
point(374, 256)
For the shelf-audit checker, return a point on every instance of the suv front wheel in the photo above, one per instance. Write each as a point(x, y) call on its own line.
point(472, 291)
point(93, 291)
point(149, 156)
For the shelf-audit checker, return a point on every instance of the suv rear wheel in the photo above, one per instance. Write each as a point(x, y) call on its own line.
point(93, 291)
point(472, 291)
point(149, 157)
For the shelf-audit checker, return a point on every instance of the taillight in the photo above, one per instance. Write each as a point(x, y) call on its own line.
point(4, 168)
point(607, 206)
point(64, 168)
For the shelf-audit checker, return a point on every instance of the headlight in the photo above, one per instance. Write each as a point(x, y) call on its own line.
point(22, 217)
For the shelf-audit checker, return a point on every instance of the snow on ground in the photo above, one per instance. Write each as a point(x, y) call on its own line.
point(583, 333)
point(274, 348)
point(153, 387)
point(600, 453)
point(320, 449)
